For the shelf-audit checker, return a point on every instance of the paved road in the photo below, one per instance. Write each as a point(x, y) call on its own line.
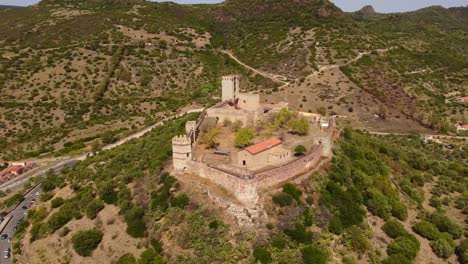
point(17, 214)
point(410, 134)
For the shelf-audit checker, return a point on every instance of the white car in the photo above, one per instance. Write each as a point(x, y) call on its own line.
point(37, 193)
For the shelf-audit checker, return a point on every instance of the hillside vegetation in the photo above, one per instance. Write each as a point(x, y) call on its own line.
point(382, 199)
point(78, 74)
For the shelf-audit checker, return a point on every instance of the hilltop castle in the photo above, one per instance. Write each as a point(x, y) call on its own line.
point(259, 166)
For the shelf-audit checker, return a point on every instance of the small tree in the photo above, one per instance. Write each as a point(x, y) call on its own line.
point(84, 242)
point(56, 202)
point(300, 150)
point(244, 137)
point(262, 255)
point(210, 137)
point(299, 126)
point(314, 255)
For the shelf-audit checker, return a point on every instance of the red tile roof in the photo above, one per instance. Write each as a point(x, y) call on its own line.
point(264, 145)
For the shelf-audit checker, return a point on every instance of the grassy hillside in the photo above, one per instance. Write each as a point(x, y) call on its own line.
point(368, 205)
point(73, 73)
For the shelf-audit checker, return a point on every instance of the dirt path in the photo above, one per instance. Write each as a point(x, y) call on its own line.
point(274, 77)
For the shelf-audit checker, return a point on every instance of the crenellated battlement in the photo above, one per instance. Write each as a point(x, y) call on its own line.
point(181, 140)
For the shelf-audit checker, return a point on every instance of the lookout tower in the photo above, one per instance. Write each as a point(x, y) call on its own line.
point(181, 152)
point(230, 87)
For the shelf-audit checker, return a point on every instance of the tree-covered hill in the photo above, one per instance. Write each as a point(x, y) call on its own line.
point(72, 71)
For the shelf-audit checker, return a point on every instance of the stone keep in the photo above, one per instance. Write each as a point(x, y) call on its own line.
point(181, 152)
point(230, 87)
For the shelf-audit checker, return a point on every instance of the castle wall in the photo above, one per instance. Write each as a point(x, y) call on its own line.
point(249, 102)
point(246, 189)
point(285, 172)
point(232, 114)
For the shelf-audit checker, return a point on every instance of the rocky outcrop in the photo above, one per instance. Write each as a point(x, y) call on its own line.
point(367, 10)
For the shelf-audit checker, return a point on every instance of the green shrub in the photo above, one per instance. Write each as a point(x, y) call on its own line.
point(357, 240)
point(262, 255)
point(299, 126)
point(295, 192)
point(278, 242)
point(399, 210)
point(427, 230)
point(244, 137)
point(307, 217)
point(397, 259)
point(149, 256)
point(136, 225)
point(299, 233)
point(378, 204)
point(56, 202)
point(444, 224)
point(283, 199)
point(127, 259)
point(462, 251)
point(93, 208)
point(15, 199)
point(394, 229)
point(404, 245)
point(443, 247)
point(314, 255)
point(336, 226)
point(180, 200)
point(300, 150)
point(84, 242)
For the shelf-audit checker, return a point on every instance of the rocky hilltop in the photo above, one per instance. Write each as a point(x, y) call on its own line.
point(367, 10)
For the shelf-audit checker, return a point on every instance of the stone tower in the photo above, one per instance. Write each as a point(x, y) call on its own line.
point(181, 152)
point(326, 145)
point(230, 87)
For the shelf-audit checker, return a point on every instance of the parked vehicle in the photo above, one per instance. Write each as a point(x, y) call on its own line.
point(6, 256)
point(24, 207)
point(3, 236)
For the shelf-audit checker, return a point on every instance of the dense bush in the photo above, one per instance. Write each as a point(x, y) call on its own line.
point(314, 255)
point(127, 259)
point(444, 224)
point(244, 137)
point(394, 229)
point(378, 204)
point(56, 202)
point(399, 210)
point(283, 199)
point(294, 191)
point(180, 200)
point(93, 208)
point(299, 233)
point(136, 225)
point(444, 247)
point(462, 251)
point(84, 242)
point(149, 256)
point(397, 259)
point(407, 246)
point(262, 255)
point(427, 230)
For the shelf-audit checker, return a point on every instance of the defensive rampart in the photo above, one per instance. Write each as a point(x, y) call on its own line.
point(245, 186)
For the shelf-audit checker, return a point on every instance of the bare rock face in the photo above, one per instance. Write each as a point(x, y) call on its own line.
point(367, 10)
